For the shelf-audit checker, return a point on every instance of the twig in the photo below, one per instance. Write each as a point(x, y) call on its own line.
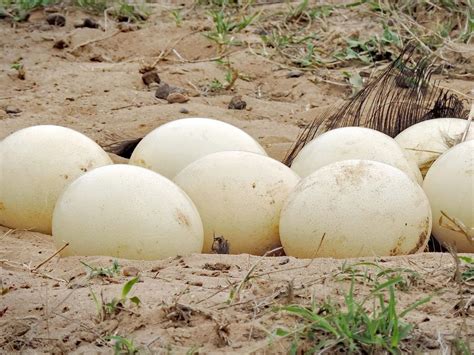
point(193, 86)
point(170, 47)
point(24, 266)
point(461, 227)
point(106, 12)
point(95, 40)
point(52, 256)
point(124, 107)
point(469, 120)
point(7, 233)
point(178, 55)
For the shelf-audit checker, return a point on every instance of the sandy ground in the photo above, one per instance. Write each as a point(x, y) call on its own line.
point(185, 300)
point(97, 89)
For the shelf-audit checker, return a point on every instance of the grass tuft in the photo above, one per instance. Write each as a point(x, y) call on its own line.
point(354, 326)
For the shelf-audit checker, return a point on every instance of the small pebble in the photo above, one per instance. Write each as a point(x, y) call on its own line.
point(261, 32)
point(164, 90)
point(176, 97)
point(130, 271)
point(184, 110)
point(87, 23)
point(194, 283)
point(61, 44)
point(128, 27)
point(151, 77)
point(56, 20)
point(12, 110)
point(237, 103)
point(294, 74)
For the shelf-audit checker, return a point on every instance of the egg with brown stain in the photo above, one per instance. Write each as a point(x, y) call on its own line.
point(36, 164)
point(171, 147)
point(355, 208)
point(239, 196)
point(353, 143)
point(449, 185)
point(128, 212)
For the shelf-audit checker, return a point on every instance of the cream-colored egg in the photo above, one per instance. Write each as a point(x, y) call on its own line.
point(355, 208)
point(239, 196)
point(128, 212)
point(427, 140)
point(449, 185)
point(352, 143)
point(171, 147)
point(37, 163)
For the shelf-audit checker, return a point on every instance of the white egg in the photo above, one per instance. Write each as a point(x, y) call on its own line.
point(352, 143)
point(37, 163)
point(171, 147)
point(128, 212)
point(355, 208)
point(239, 197)
point(427, 140)
point(449, 185)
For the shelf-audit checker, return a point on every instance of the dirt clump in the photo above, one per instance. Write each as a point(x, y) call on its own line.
point(87, 23)
point(56, 20)
point(151, 77)
point(237, 103)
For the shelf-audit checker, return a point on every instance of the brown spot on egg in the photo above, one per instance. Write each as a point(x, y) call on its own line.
point(422, 237)
point(182, 219)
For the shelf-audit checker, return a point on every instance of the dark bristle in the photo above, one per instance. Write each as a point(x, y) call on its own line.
point(435, 247)
point(398, 98)
point(123, 148)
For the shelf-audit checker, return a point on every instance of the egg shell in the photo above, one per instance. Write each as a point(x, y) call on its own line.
point(171, 147)
point(126, 211)
point(352, 143)
point(355, 208)
point(427, 140)
point(239, 197)
point(36, 164)
point(449, 185)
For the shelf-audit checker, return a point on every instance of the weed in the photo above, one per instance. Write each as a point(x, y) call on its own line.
point(276, 39)
point(220, 245)
point(224, 26)
point(351, 326)
point(374, 275)
point(123, 345)
point(177, 16)
point(126, 12)
point(443, 20)
point(355, 80)
point(19, 10)
point(20, 69)
point(467, 275)
point(193, 350)
point(461, 347)
point(107, 309)
point(294, 13)
point(235, 291)
point(95, 271)
point(321, 11)
point(93, 6)
point(215, 85)
point(220, 3)
point(122, 10)
point(371, 50)
point(308, 58)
